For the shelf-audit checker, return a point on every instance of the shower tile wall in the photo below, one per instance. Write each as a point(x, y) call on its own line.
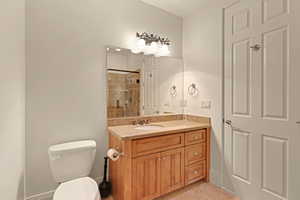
point(123, 94)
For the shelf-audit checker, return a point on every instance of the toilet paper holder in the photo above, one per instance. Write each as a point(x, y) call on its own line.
point(116, 153)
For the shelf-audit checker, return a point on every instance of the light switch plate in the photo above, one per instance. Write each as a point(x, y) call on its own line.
point(206, 104)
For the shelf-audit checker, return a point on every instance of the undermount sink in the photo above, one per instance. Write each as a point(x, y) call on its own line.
point(148, 127)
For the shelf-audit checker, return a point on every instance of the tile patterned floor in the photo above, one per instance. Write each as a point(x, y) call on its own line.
point(198, 191)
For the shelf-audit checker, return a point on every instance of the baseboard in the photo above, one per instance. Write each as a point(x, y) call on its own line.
point(41, 196)
point(215, 177)
point(49, 195)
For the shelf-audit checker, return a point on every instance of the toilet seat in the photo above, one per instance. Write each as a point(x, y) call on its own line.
point(78, 189)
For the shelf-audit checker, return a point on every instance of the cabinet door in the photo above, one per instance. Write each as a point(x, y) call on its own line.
point(172, 170)
point(146, 177)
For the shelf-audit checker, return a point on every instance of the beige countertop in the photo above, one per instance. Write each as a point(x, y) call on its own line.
point(129, 132)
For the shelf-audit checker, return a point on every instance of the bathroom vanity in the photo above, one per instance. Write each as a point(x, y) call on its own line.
point(167, 154)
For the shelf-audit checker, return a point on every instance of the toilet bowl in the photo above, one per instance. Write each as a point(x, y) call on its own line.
point(71, 164)
point(78, 189)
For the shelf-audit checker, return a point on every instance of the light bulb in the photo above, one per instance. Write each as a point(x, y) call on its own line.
point(153, 47)
point(138, 46)
point(157, 53)
point(141, 44)
point(147, 50)
point(164, 51)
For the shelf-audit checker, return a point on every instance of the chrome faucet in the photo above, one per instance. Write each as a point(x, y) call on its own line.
point(141, 122)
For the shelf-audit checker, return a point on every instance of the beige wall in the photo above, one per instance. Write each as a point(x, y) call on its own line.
point(202, 52)
point(12, 99)
point(65, 72)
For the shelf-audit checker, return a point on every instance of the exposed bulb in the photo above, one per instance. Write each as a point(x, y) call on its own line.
point(163, 51)
point(153, 47)
point(147, 50)
point(157, 53)
point(139, 46)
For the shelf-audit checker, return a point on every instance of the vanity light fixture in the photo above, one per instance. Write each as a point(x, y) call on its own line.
point(151, 44)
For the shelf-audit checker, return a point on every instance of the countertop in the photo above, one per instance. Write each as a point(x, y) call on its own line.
point(128, 132)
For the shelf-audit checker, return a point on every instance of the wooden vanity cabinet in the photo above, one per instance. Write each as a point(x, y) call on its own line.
point(172, 170)
point(158, 174)
point(154, 166)
point(146, 177)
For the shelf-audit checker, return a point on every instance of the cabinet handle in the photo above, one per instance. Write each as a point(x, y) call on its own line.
point(196, 138)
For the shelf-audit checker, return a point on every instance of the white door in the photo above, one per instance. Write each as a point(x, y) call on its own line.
point(262, 86)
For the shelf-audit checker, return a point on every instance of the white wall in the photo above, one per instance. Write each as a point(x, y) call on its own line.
point(12, 99)
point(202, 52)
point(169, 73)
point(65, 72)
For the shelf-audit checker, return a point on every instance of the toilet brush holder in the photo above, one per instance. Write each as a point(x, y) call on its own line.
point(105, 186)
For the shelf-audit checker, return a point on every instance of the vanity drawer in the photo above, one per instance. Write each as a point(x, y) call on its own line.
point(195, 153)
point(157, 144)
point(195, 137)
point(195, 172)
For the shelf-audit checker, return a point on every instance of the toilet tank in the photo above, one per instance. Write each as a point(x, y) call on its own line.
point(72, 160)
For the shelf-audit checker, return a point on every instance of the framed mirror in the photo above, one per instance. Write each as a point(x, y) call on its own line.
point(139, 84)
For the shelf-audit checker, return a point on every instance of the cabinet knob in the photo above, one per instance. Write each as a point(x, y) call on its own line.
point(195, 172)
point(196, 153)
point(196, 138)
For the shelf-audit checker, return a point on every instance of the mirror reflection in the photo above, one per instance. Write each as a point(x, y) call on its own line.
point(139, 84)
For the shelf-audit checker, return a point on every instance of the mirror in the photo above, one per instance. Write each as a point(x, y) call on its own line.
point(139, 84)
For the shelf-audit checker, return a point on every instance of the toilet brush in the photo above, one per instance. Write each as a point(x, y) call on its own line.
point(105, 186)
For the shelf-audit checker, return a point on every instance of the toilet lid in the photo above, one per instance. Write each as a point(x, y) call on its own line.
point(78, 189)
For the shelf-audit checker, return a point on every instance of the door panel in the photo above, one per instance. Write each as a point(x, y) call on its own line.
point(239, 89)
point(241, 21)
point(241, 74)
point(241, 155)
point(274, 164)
point(146, 176)
point(262, 100)
point(172, 170)
point(275, 67)
point(274, 8)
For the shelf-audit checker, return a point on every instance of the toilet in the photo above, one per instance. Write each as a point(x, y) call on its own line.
point(71, 163)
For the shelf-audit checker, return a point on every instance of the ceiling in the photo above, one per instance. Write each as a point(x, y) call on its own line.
point(180, 8)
